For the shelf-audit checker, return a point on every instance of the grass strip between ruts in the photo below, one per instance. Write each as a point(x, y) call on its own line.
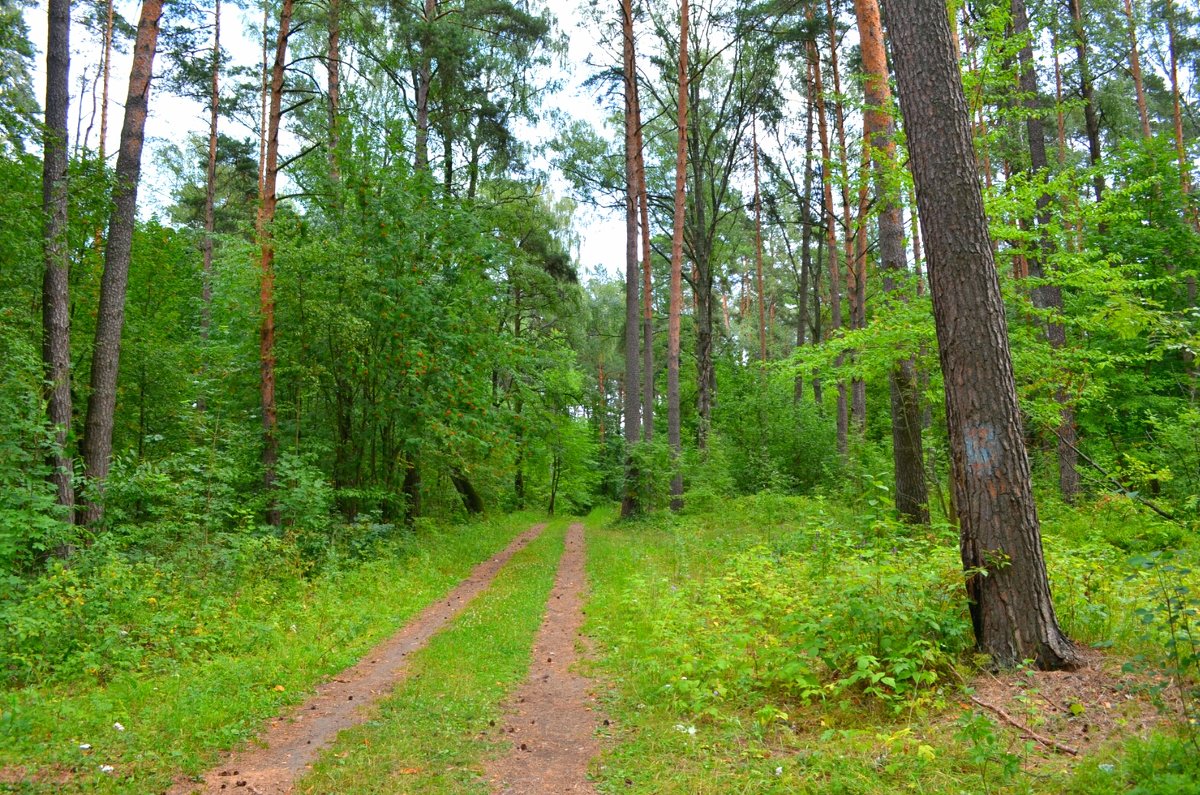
point(432, 733)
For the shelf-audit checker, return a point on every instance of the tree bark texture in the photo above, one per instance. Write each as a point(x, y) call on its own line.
point(266, 299)
point(56, 301)
point(676, 298)
point(1011, 608)
point(110, 318)
point(633, 392)
point(912, 497)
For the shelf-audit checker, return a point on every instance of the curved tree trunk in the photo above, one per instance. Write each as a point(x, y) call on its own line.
point(110, 319)
point(1011, 608)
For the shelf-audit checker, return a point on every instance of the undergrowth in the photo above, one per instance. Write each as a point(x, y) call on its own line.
point(789, 644)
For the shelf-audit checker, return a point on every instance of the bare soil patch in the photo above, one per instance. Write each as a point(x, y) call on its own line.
point(1080, 709)
point(292, 741)
point(551, 719)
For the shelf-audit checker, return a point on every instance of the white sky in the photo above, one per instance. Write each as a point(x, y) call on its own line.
point(172, 118)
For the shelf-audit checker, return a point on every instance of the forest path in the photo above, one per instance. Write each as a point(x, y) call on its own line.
point(550, 718)
point(293, 741)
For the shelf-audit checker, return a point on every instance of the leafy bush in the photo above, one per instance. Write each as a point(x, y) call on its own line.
point(777, 625)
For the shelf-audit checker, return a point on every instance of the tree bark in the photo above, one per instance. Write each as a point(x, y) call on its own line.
point(333, 67)
point(1045, 296)
point(835, 297)
point(758, 251)
point(1181, 151)
point(1011, 608)
point(424, 79)
point(1091, 118)
point(106, 73)
point(98, 427)
point(210, 189)
point(633, 392)
point(1135, 69)
point(266, 217)
point(647, 286)
point(912, 497)
point(56, 300)
point(676, 299)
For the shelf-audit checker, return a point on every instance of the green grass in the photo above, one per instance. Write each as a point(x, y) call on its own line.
point(431, 734)
point(696, 616)
point(178, 720)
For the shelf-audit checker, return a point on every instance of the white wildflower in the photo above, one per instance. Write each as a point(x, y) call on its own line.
point(85, 746)
point(106, 768)
point(118, 727)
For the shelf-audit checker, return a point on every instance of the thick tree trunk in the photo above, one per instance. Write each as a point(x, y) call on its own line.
point(912, 497)
point(1011, 608)
point(266, 219)
point(56, 301)
point(102, 402)
point(676, 299)
point(633, 392)
point(470, 497)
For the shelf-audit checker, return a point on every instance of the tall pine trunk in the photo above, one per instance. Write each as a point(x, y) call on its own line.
point(1011, 609)
point(56, 302)
point(424, 80)
point(110, 318)
point(633, 392)
point(210, 186)
point(835, 296)
point(758, 251)
point(333, 66)
point(912, 496)
point(647, 286)
point(266, 218)
point(1135, 69)
point(676, 300)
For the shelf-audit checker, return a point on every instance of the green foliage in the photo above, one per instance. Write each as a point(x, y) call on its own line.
point(30, 525)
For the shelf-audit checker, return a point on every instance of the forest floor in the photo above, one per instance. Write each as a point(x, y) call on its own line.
point(669, 655)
